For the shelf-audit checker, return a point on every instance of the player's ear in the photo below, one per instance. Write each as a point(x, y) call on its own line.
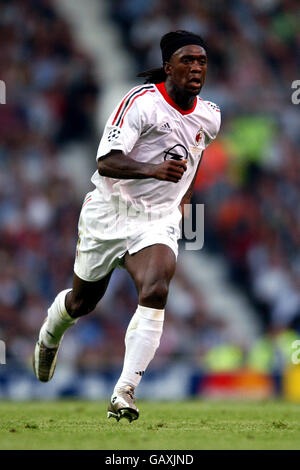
point(167, 68)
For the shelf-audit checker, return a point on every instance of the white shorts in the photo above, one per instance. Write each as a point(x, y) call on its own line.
point(106, 234)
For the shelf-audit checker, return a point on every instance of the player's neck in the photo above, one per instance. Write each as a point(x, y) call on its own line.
point(181, 98)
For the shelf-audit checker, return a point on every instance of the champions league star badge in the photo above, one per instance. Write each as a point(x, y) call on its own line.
point(114, 134)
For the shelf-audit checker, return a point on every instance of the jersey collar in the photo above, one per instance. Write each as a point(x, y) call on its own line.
point(162, 89)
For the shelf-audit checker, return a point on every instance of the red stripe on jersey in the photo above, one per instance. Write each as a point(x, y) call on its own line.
point(88, 200)
point(137, 96)
point(162, 89)
point(122, 103)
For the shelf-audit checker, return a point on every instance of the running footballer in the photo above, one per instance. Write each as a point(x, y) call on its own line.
point(147, 161)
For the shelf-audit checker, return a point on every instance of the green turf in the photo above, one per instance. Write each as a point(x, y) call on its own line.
point(181, 425)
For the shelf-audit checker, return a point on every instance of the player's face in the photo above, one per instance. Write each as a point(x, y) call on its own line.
point(187, 68)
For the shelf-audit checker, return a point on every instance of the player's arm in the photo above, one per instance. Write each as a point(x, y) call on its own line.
point(188, 195)
point(117, 165)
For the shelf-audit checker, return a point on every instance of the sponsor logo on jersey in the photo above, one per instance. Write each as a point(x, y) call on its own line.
point(140, 372)
point(177, 152)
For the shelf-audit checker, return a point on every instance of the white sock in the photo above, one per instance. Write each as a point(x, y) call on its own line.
point(58, 321)
point(141, 340)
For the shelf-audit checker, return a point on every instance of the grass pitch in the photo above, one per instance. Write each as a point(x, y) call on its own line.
point(186, 425)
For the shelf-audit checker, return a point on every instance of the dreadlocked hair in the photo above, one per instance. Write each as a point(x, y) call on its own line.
point(157, 75)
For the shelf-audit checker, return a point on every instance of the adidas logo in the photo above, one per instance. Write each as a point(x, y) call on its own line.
point(140, 372)
point(165, 127)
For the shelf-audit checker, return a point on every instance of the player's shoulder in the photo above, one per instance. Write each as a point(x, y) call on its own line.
point(140, 97)
point(212, 114)
point(139, 93)
point(132, 103)
point(209, 105)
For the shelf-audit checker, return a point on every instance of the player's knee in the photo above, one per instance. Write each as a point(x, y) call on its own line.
point(154, 293)
point(79, 307)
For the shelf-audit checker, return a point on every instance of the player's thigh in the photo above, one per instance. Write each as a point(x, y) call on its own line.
point(155, 263)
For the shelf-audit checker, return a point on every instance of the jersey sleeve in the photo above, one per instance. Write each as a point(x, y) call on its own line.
point(123, 128)
point(215, 123)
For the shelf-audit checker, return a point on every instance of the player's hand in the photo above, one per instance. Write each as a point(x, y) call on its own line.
point(170, 170)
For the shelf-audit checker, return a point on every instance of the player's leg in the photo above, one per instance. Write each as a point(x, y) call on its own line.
point(67, 307)
point(152, 269)
point(71, 304)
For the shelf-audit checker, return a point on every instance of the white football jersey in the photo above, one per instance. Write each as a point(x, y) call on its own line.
point(148, 126)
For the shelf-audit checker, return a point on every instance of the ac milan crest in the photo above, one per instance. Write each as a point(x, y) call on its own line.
point(199, 137)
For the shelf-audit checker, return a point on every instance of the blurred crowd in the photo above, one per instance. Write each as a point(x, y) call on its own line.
point(51, 92)
point(249, 178)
